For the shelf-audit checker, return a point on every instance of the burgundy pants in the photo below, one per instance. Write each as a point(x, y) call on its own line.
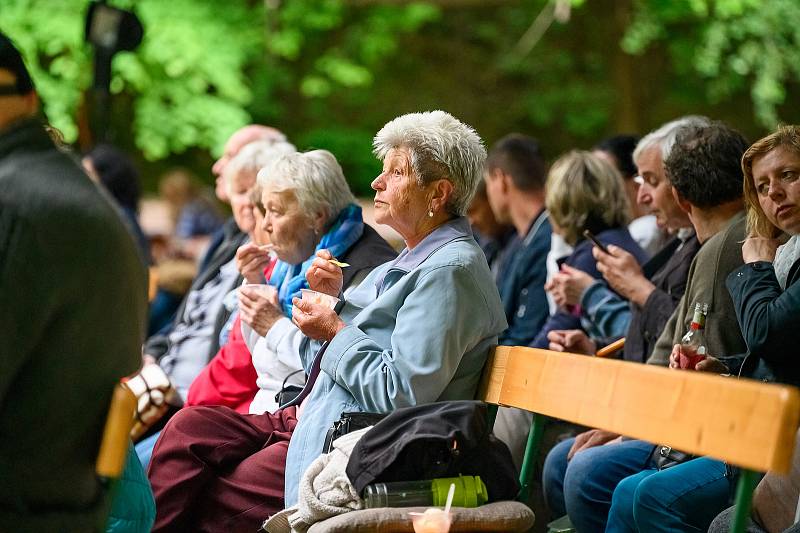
point(214, 469)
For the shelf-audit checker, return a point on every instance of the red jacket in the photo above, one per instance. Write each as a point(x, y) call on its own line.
point(230, 378)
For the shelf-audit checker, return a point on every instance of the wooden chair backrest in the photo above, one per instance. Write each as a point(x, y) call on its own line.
point(743, 422)
point(116, 434)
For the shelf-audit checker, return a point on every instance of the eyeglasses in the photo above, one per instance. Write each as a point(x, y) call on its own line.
point(638, 179)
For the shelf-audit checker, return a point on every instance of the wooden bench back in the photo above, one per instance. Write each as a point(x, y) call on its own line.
point(746, 423)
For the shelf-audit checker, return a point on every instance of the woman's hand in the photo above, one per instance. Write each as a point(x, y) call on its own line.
point(571, 340)
point(324, 276)
point(759, 249)
point(251, 259)
point(590, 439)
point(623, 274)
point(567, 286)
point(317, 322)
point(259, 307)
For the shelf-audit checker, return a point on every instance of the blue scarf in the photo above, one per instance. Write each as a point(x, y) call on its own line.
point(347, 229)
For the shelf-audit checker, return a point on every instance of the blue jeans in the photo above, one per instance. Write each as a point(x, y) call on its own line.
point(144, 449)
point(582, 487)
point(686, 497)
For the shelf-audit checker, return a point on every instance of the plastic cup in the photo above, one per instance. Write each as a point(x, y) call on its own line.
point(319, 298)
point(433, 520)
point(263, 289)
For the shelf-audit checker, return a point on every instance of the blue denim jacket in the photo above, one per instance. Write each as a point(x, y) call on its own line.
point(521, 283)
point(419, 330)
point(606, 314)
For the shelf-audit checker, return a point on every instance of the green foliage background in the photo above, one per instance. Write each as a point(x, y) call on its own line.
point(330, 72)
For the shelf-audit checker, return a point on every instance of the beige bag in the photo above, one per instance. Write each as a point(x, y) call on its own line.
point(155, 395)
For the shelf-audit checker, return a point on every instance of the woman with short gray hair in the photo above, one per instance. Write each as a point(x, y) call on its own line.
point(439, 148)
point(316, 179)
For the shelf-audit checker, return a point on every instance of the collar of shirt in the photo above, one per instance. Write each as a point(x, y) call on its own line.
point(410, 259)
point(534, 227)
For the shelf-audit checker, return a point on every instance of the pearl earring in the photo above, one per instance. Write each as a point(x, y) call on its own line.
point(430, 213)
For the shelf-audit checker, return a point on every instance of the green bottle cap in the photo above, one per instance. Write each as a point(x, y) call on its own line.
point(470, 491)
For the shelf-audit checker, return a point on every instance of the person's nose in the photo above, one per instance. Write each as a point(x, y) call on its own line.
point(643, 196)
point(378, 184)
point(776, 192)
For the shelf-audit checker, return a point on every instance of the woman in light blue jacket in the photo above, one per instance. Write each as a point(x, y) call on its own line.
point(416, 330)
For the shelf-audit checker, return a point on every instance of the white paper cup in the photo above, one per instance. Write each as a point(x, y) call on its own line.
point(319, 298)
point(266, 291)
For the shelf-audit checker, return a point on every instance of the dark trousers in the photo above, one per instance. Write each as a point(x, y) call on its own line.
point(214, 469)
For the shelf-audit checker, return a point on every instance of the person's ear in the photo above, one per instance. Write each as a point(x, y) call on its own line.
point(505, 180)
point(440, 195)
point(318, 221)
point(682, 202)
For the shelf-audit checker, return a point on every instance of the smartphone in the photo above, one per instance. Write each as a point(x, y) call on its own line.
point(589, 235)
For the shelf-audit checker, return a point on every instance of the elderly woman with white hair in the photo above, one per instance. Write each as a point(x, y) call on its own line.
point(418, 329)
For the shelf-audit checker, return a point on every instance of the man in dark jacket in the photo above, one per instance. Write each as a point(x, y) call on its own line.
point(515, 176)
point(73, 298)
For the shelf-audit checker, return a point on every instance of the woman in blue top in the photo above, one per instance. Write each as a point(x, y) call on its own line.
point(416, 330)
point(585, 192)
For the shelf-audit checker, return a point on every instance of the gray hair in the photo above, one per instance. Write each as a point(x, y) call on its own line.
point(254, 156)
point(442, 147)
point(316, 179)
point(665, 135)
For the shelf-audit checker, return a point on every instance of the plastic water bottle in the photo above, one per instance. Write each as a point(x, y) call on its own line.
point(470, 492)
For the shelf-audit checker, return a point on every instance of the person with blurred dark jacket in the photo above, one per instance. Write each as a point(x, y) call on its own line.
point(73, 301)
point(492, 236)
point(514, 177)
point(112, 169)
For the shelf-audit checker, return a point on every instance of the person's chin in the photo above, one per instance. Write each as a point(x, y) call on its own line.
point(380, 210)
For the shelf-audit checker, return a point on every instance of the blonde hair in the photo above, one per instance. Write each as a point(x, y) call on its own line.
point(758, 225)
point(583, 189)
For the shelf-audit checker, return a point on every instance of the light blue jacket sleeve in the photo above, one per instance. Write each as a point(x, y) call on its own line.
point(420, 361)
point(607, 312)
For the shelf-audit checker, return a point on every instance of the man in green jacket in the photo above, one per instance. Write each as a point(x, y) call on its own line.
point(72, 316)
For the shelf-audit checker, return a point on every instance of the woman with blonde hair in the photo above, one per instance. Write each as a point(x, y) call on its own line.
point(764, 290)
point(585, 192)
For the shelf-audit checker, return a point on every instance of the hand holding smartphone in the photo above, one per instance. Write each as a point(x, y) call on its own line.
point(589, 235)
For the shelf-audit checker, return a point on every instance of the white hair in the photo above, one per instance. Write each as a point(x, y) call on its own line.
point(442, 147)
point(254, 156)
point(666, 135)
point(315, 178)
